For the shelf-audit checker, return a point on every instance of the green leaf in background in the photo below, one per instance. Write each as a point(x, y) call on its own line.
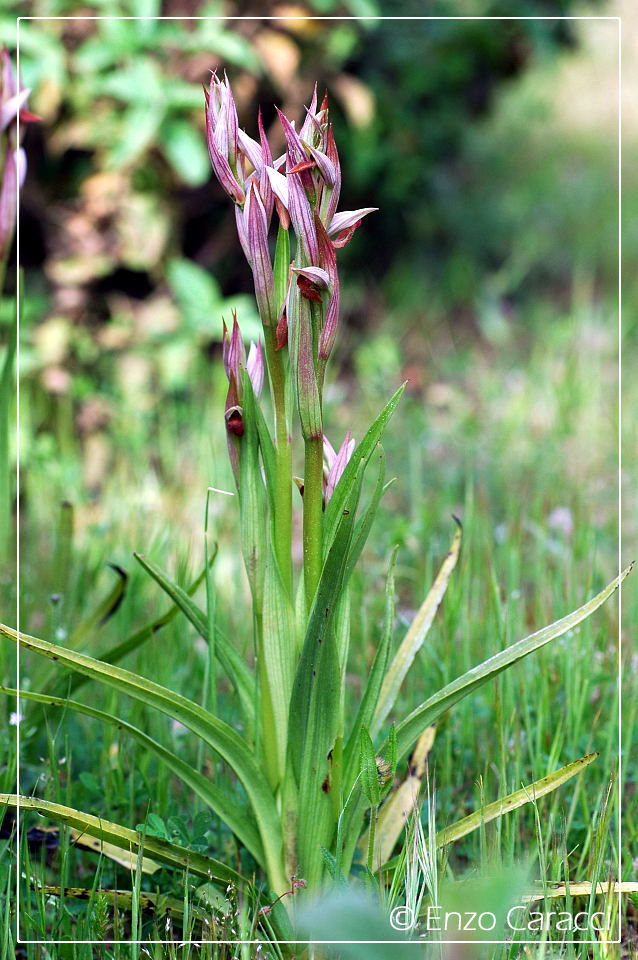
point(361, 455)
point(220, 736)
point(228, 656)
point(409, 729)
point(202, 304)
point(529, 794)
point(171, 854)
point(218, 798)
point(138, 130)
point(184, 147)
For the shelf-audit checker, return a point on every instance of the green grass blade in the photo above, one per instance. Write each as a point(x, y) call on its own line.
point(219, 735)
point(361, 454)
point(375, 679)
point(281, 268)
point(409, 729)
point(7, 394)
point(135, 640)
point(534, 791)
point(158, 903)
point(229, 658)
point(413, 640)
point(217, 799)
point(364, 523)
point(171, 854)
point(104, 610)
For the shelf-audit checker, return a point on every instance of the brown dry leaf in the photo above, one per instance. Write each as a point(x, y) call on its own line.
point(297, 19)
point(156, 317)
point(56, 380)
point(109, 850)
point(403, 802)
point(51, 340)
point(74, 271)
point(142, 230)
point(357, 100)
point(102, 193)
point(280, 55)
point(97, 456)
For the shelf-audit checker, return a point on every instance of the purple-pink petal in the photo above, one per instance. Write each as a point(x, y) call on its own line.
point(255, 367)
point(302, 219)
point(256, 225)
point(236, 352)
point(324, 163)
point(221, 166)
point(339, 464)
point(8, 201)
point(328, 257)
point(11, 107)
point(347, 218)
point(279, 184)
point(317, 275)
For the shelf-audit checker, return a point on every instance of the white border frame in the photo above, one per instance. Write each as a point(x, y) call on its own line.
point(537, 942)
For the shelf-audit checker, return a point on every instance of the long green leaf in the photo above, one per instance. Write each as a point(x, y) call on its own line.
point(534, 791)
point(361, 454)
point(364, 523)
point(252, 501)
point(173, 855)
point(314, 709)
point(281, 268)
point(216, 798)
point(413, 640)
point(409, 729)
point(228, 656)
point(7, 394)
point(219, 735)
point(368, 702)
point(277, 666)
point(491, 811)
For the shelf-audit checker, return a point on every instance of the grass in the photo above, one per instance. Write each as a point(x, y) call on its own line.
point(521, 443)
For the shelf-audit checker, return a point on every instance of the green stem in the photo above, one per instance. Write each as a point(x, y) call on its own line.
point(371, 837)
point(312, 516)
point(282, 523)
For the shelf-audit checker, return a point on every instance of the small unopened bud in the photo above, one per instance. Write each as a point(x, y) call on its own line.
point(384, 771)
point(222, 135)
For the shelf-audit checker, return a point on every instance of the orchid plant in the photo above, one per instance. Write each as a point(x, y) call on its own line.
point(316, 774)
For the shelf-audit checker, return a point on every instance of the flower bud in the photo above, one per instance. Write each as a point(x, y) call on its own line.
point(256, 367)
point(222, 135)
point(255, 227)
point(335, 463)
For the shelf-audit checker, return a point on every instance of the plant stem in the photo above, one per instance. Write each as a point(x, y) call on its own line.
point(283, 452)
point(312, 516)
point(371, 836)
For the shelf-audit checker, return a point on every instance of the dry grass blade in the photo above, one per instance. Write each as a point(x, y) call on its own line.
point(413, 640)
point(400, 804)
point(584, 889)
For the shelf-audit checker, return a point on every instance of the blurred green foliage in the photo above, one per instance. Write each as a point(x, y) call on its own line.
point(129, 249)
